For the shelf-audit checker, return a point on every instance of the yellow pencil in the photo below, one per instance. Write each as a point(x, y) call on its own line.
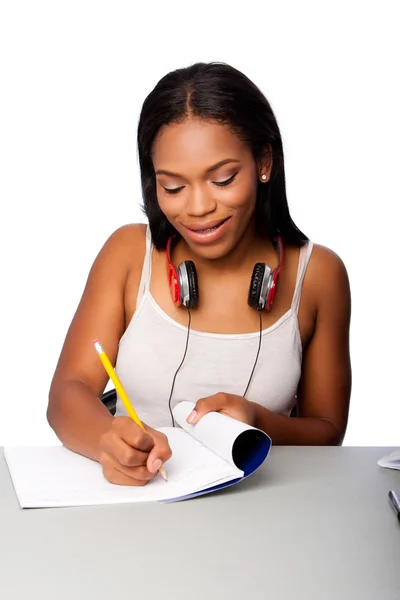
point(121, 392)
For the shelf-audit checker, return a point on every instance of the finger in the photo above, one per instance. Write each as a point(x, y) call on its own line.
point(160, 453)
point(137, 474)
point(118, 478)
point(132, 434)
point(204, 406)
point(123, 453)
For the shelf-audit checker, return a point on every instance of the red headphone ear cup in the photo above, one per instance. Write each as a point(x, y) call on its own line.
point(255, 285)
point(174, 284)
point(193, 286)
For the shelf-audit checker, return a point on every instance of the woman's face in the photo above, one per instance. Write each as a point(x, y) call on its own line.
point(206, 184)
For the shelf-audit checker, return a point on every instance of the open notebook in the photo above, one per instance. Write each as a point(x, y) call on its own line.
point(215, 453)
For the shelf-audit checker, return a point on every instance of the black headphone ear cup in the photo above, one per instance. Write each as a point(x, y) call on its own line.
point(193, 286)
point(255, 285)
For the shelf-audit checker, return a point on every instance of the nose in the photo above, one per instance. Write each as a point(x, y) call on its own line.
point(200, 202)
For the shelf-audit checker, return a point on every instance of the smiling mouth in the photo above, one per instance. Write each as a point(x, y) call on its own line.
point(208, 229)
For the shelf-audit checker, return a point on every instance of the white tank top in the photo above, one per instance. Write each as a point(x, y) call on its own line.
point(152, 347)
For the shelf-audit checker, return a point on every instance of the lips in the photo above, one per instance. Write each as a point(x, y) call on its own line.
point(209, 232)
point(206, 227)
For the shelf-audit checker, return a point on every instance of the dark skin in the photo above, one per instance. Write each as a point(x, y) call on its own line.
point(190, 193)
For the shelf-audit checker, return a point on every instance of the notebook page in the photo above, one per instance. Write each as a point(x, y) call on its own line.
point(55, 476)
point(220, 433)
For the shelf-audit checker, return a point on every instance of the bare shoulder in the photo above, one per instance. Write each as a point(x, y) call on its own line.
point(326, 275)
point(130, 236)
point(327, 265)
point(125, 247)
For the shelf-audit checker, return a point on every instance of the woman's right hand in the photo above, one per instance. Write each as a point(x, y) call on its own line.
point(131, 456)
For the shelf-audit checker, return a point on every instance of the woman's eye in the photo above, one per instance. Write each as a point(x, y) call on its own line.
point(226, 182)
point(218, 183)
point(173, 190)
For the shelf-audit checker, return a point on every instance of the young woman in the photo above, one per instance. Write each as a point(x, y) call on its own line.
point(222, 300)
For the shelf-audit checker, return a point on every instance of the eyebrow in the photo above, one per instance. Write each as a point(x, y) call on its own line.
point(209, 170)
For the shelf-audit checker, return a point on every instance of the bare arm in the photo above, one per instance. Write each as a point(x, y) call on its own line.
point(325, 385)
point(74, 411)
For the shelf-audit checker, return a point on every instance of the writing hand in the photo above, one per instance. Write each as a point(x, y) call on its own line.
point(131, 456)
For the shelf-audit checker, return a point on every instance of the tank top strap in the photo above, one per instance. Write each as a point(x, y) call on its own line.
point(146, 269)
point(304, 257)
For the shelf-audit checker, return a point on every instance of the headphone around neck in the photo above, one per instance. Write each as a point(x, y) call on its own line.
point(184, 287)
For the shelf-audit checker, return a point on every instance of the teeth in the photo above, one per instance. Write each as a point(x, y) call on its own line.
point(209, 228)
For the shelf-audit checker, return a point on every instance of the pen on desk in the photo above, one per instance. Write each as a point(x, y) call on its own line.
point(395, 503)
point(121, 392)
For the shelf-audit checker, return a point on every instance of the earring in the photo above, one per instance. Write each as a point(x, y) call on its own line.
point(263, 177)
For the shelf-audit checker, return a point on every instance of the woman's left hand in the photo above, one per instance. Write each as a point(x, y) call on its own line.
point(234, 406)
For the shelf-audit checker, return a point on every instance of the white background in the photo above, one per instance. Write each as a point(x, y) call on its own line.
point(73, 76)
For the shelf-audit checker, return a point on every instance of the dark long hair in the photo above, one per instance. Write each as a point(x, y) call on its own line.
point(216, 91)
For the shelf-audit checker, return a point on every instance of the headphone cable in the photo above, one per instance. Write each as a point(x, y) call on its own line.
point(184, 356)
point(177, 371)
point(257, 355)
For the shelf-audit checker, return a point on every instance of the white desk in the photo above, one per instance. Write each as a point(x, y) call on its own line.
point(311, 524)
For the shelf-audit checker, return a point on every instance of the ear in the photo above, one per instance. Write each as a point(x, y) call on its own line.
point(264, 164)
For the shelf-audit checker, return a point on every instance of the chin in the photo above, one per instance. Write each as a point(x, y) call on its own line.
point(214, 251)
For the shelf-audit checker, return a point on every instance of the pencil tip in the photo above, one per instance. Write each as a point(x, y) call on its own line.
point(163, 474)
